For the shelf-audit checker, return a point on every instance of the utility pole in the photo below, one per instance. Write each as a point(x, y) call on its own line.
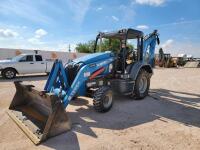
point(70, 57)
point(69, 49)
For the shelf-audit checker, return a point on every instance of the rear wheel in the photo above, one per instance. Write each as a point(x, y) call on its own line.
point(142, 84)
point(103, 99)
point(9, 73)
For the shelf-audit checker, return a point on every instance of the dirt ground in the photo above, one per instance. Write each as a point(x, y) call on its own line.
point(169, 118)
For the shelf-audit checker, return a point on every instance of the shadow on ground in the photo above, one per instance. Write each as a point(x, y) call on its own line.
point(177, 106)
point(26, 78)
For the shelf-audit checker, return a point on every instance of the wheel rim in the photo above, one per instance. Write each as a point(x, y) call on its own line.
point(143, 84)
point(10, 74)
point(107, 100)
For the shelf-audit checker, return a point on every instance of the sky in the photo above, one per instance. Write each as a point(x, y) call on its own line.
point(53, 25)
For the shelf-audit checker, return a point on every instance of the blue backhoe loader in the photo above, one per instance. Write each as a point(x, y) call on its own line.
point(126, 71)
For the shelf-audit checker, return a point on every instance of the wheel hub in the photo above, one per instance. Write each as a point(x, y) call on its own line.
point(9, 74)
point(143, 84)
point(108, 99)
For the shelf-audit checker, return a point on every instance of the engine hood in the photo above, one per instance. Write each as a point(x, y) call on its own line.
point(90, 58)
point(5, 61)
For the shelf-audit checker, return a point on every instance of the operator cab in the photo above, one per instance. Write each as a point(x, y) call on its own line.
point(126, 44)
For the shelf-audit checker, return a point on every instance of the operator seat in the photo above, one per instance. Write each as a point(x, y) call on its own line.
point(133, 59)
point(124, 52)
point(121, 59)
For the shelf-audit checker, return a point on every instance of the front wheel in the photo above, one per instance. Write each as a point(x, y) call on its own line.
point(9, 73)
point(103, 99)
point(142, 84)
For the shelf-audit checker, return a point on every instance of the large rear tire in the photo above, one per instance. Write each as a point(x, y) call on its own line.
point(142, 84)
point(103, 99)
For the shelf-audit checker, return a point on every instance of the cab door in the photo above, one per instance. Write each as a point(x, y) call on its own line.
point(40, 64)
point(26, 65)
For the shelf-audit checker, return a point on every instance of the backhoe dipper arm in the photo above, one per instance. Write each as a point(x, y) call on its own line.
point(149, 45)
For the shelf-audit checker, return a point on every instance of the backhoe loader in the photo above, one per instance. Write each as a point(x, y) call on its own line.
point(42, 114)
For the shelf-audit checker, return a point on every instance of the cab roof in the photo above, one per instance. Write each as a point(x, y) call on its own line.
point(122, 34)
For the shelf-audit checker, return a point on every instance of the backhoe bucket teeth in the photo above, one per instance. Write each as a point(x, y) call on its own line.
point(40, 115)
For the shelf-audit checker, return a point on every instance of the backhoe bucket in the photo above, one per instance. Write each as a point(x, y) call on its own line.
point(40, 115)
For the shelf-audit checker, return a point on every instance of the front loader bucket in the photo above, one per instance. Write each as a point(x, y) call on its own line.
point(40, 115)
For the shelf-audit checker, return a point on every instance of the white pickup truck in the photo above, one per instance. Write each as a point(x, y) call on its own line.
point(24, 64)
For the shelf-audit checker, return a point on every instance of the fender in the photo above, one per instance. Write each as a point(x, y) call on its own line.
point(137, 67)
point(10, 68)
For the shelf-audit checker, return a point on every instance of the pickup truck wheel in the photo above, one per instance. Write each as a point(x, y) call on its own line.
point(103, 99)
point(9, 73)
point(142, 83)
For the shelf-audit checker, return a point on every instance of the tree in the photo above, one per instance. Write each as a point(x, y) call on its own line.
point(54, 55)
point(82, 48)
point(85, 47)
point(17, 52)
point(106, 45)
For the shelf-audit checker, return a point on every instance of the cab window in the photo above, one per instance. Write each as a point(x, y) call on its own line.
point(38, 57)
point(27, 58)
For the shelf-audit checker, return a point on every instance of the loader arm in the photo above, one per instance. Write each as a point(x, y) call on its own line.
point(41, 114)
point(57, 82)
point(57, 77)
